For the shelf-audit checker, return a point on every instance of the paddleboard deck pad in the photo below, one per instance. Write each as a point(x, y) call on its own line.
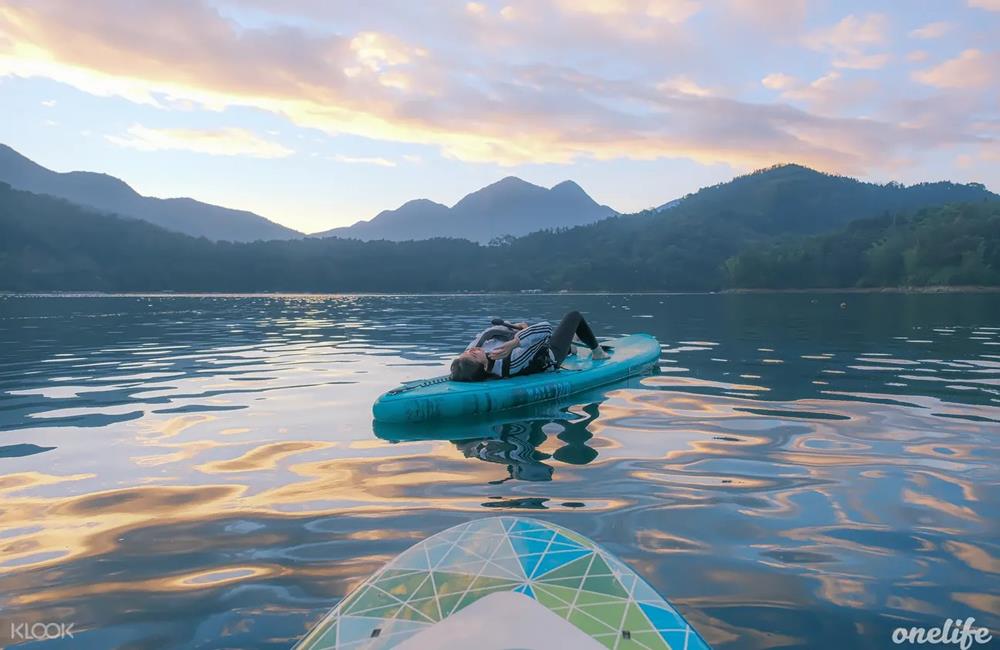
point(504, 582)
point(431, 399)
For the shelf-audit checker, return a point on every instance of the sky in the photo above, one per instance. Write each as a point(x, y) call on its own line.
point(317, 113)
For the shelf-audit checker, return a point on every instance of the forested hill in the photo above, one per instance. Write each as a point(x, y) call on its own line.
point(949, 245)
point(700, 244)
point(792, 199)
point(686, 247)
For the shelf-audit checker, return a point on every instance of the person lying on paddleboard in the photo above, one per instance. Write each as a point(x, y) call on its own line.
point(505, 350)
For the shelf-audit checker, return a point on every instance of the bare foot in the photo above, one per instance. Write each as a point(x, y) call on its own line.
point(599, 353)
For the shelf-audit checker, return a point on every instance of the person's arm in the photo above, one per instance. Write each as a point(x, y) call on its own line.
point(503, 351)
point(532, 339)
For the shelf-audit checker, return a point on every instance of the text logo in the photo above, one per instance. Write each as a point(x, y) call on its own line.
point(40, 631)
point(954, 632)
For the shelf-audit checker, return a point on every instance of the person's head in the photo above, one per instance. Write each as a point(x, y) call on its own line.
point(469, 366)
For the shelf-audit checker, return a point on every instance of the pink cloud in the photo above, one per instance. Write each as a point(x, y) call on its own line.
point(932, 30)
point(851, 39)
point(774, 17)
point(971, 69)
point(828, 93)
point(484, 94)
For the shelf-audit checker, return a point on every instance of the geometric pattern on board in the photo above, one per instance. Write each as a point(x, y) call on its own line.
point(563, 571)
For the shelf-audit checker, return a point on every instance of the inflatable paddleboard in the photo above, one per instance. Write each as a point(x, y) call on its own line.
point(504, 582)
point(440, 397)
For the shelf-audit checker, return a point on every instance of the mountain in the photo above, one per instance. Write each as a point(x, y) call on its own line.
point(686, 247)
point(50, 244)
point(792, 199)
point(957, 244)
point(668, 205)
point(510, 206)
point(109, 194)
point(418, 219)
point(760, 236)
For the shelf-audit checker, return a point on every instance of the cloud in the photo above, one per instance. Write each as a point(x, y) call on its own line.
point(674, 11)
point(773, 15)
point(829, 93)
point(971, 69)
point(851, 33)
point(568, 26)
point(218, 142)
point(376, 51)
point(989, 5)
point(778, 81)
point(684, 85)
point(381, 162)
point(850, 40)
point(48, 103)
point(917, 56)
point(491, 96)
point(932, 30)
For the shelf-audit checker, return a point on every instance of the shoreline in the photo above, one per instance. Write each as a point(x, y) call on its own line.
point(935, 289)
point(927, 289)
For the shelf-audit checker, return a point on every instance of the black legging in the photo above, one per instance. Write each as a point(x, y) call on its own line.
point(572, 324)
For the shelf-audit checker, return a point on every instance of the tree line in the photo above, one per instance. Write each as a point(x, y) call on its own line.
point(48, 244)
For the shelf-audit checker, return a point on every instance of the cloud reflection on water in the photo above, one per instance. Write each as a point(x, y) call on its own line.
point(228, 489)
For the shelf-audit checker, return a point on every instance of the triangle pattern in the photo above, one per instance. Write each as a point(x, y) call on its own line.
point(557, 568)
point(552, 561)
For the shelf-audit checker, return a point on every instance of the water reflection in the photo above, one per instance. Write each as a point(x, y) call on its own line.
point(515, 439)
point(202, 471)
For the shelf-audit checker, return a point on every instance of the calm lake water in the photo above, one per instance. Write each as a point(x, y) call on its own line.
point(203, 471)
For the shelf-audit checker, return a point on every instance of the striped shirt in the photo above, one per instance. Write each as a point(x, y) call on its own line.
point(533, 338)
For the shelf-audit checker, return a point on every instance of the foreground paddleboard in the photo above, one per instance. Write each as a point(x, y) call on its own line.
point(440, 398)
point(504, 582)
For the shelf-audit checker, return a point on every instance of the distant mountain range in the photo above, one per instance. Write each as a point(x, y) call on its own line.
point(111, 195)
point(510, 206)
point(783, 226)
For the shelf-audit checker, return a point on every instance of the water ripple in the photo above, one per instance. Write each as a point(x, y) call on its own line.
point(202, 471)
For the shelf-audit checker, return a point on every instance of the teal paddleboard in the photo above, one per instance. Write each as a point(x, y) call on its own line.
point(432, 399)
point(504, 582)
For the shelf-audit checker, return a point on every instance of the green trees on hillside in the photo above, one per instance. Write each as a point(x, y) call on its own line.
point(949, 245)
point(702, 244)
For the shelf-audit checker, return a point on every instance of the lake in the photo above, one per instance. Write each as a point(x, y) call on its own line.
point(203, 471)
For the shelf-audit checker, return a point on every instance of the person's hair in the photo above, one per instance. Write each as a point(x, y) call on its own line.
point(466, 369)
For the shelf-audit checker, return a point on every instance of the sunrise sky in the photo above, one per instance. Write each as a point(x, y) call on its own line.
point(318, 113)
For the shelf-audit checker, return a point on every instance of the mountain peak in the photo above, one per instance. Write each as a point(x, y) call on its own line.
point(509, 206)
point(508, 183)
point(421, 203)
point(512, 180)
point(112, 195)
point(567, 186)
point(785, 170)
